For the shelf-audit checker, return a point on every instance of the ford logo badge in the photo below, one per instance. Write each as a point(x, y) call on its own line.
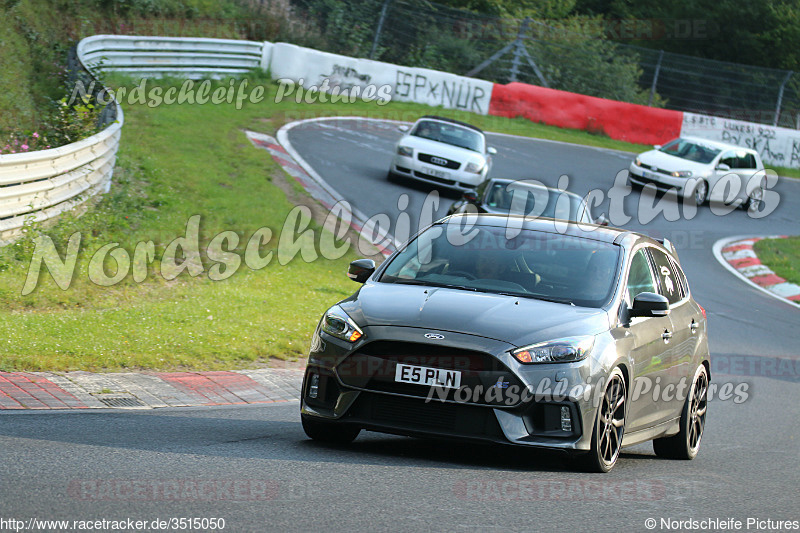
point(435, 336)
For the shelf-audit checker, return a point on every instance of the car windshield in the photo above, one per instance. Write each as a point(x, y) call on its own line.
point(690, 150)
point(519, 198)
point(449, 134)
point(531, 264)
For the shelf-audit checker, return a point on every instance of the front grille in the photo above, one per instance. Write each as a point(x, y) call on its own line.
point(413, 413)
point(439, 161)
point(659, 170)
point(437, 356)
point(373, 367)
point(412, 416)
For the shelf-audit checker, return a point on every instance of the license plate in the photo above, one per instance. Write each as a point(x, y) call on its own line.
point(438, 173)
point(432, 377)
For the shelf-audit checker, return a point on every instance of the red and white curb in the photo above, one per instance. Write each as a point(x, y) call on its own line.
point(314, 184)
point(737, 255)
point(147, 390)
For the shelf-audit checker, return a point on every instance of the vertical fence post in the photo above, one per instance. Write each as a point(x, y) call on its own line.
point(379, 29)
point(780, 97)
point(655, 78)
point(519, 45)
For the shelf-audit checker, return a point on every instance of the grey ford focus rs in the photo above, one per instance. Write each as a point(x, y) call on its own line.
point(526, 332)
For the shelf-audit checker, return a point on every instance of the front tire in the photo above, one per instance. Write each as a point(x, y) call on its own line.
point(686, 443)
point(609, 426)
point(332, 432)
point(701, 192)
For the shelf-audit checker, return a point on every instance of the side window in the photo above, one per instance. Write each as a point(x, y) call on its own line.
point(640, 277)
point(669, 284)
point(730, 159)
point(681, 278)
point(745, 160)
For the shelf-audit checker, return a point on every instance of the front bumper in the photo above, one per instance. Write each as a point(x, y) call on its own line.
point(411, 168)
point(661, 181)
point(357, 388)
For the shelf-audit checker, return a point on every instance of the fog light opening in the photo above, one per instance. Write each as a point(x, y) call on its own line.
point(313, 390)
point(566, 420)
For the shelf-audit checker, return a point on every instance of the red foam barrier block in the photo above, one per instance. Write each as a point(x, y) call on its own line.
point(619, 120)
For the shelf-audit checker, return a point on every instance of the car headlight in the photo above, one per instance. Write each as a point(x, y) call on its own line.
point(406, 151)
point(637, 162)
point(564, 350)
point(475, 168)
point(681, 174)
point(336, 322)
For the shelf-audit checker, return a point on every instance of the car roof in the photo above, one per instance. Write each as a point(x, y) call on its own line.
point(534, 185)
point(611, 235)
point(716, 144)
point(451, 121)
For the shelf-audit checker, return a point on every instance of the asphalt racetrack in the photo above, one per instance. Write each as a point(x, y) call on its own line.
point(254, 467)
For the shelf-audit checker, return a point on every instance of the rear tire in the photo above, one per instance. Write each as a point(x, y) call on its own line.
point(753, 203)
point(686, 443)
point(332, 432)
point(609, 426)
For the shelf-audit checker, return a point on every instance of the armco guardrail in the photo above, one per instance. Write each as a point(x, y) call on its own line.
point(191, 58)
point(38, 186)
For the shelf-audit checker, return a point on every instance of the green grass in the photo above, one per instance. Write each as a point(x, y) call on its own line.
point(787, 172)
point(782, 256)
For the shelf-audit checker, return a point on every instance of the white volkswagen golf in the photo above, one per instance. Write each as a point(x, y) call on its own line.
point(703, 169)
point(442, 151)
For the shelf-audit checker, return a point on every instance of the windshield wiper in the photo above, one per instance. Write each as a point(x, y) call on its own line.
point(551, 299)
point(425, 283)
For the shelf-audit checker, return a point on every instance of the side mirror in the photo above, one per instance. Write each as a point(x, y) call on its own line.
point(403, 127)
point(361, 269)
point(649, 304)
point(601, 220)
point(470, 196)
point(723, 167)
point(491, 150)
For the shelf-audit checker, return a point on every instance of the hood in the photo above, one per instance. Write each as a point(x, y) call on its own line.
point(671, 163)
point(448, 151)
point(517, 321)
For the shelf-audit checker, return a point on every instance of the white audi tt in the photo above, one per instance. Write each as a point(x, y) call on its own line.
point(442, 151)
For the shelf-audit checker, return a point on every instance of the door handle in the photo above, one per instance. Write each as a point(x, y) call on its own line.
point(693, 326)
point(666, 336)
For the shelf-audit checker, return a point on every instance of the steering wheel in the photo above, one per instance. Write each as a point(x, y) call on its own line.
point(461, 273)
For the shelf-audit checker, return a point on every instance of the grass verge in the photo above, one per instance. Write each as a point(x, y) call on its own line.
point(782, 256)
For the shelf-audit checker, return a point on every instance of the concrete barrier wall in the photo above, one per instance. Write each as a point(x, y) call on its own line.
point(405, 84)
point(777, 146)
